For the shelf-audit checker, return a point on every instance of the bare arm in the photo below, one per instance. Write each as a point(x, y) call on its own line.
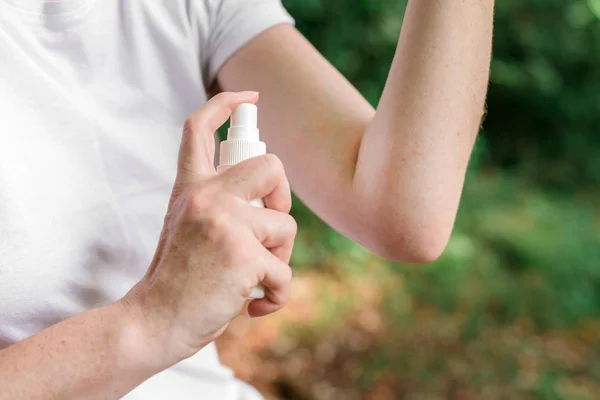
point(97, 355)
point(390, 179)
point(214, 249)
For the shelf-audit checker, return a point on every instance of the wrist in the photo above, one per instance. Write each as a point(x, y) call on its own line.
point(141, 346)
point(151, 329)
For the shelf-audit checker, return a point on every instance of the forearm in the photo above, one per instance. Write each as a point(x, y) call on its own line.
point(416, 150)
point(99, 354)
point(390, 179)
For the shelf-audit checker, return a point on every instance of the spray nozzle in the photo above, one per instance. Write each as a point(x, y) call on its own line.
point(243, 124)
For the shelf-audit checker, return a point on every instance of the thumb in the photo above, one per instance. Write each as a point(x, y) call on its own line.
point(197, 150)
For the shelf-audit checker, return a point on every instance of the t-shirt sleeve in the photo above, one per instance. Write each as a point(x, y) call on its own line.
point(235, 22)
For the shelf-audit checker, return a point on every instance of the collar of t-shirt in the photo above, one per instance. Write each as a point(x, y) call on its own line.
point(51, 13)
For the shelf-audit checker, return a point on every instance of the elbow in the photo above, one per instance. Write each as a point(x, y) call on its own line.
point(399, 243)
point(413, 253)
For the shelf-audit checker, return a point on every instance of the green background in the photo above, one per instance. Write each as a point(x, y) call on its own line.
point(511, 309)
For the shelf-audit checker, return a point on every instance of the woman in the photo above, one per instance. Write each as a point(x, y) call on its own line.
point(93, 95)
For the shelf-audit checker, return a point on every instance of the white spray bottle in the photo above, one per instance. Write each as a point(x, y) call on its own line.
point(242, 143)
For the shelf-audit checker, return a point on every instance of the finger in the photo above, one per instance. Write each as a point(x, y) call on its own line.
point(277, 282)
point(261, 177)
point(275, 230)
point(197, 150)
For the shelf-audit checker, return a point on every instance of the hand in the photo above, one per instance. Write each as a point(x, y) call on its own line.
point(215, 247)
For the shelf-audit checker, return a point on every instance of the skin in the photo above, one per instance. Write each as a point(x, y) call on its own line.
point(198, 265)
point(394, 178)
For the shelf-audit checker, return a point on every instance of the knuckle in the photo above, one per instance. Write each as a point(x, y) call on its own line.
point(215, 220)
point(194, 124)
point(276, 174)
point(286, 205)
point(188, 125)
point(274, 164)
point(223, 97)
point(246, 287)
point(280, 298)
point(292, 225)
point(197, 203)
point(284, 278)
point(209, 214)
point(281, 204)
point(216, 223)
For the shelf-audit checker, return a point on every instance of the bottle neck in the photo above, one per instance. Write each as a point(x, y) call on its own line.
point(243, 133)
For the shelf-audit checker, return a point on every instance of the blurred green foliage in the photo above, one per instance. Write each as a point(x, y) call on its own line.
point(526, 247)
point(544, 98)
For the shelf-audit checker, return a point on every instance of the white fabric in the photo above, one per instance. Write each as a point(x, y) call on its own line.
point(93, 94)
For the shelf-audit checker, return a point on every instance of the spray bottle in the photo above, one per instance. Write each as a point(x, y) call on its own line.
point(242, 143)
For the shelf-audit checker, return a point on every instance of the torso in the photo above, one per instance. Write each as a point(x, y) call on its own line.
point(90, 122)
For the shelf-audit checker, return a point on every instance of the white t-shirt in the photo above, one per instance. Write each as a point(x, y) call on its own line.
point(93, 95)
